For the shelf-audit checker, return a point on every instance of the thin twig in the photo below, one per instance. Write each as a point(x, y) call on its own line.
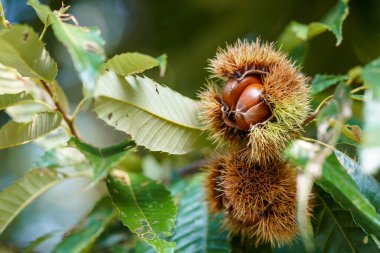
point(61, 110)
point(315, 114)
point(358, 89)
point(44, 30)
point(315, 141)
point(78, 108)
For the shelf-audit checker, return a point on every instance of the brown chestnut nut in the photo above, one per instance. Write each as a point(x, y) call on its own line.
point(243, 103)
point(233, 89)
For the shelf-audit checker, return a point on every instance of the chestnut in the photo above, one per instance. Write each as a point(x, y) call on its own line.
point(243, 103)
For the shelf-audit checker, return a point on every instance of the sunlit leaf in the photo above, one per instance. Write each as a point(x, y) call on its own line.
point(15, 133)
point(154, 115)
point(322, 82)
point(366, 183)
point(197, 231)
point(11, 81)
point(22, 192)
point(370, 150)
point(133, 63)
point(31, 103)
point(145, 207)
point(7, 100)
point(24, 112)
point(295, 37)
point(84, 236)
point(103, 159)
point(61, 158)
point(21, 49)
point(336, 231)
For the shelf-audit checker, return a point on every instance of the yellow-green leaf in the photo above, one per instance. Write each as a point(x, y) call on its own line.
point(15, 133)
point(22, 192)
point(7, 100)
point(20, 48)
point(133, 63)
point(86, 47)
point(295, 36)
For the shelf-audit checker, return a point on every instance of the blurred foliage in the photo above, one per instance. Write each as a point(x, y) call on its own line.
point(188, 32)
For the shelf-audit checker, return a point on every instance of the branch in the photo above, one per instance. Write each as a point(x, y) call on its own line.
point(315, 114)
point(60, 109)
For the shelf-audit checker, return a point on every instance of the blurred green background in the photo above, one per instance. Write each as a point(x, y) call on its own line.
point(189, 32)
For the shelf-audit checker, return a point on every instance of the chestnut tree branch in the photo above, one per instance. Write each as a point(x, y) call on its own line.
point(59, 107)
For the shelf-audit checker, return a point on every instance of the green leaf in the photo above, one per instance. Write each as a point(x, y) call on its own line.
point(11, 81)
point(133, 63)
point(24, 112)
point(61, 157)
point(336, 231)
point(197, 231)
point(86, 47)
point(322, 82)
point(32, 245)
point(294, 39)
point(84, 236)
point(43, 11)
point(367, 185)
point(14, 133)
point(370, 148)
point(103, 159)
point(22, 192)
point(335, 18)
point(343, 189)
point(21, 49)
point(7, 100)
point(145, 207)
point(155, 116)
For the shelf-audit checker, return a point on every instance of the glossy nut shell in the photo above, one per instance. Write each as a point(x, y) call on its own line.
point(244, 103)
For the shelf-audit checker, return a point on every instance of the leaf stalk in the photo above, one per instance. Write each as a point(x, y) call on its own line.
point(59, 107)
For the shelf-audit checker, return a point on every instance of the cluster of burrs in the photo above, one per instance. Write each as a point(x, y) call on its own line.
point(256, 102)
